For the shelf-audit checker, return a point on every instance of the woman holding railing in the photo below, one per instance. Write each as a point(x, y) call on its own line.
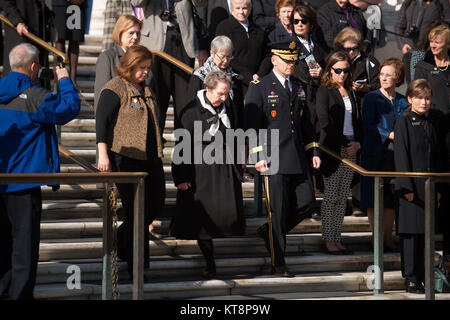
point(340, 131)
point(380, 110)
point(129, 139)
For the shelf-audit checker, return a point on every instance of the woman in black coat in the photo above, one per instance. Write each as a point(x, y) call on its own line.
point(340, 131)
point(209, 198)
point(435, 68)
point(415, 150)
point(249, 41)
point(312, 54)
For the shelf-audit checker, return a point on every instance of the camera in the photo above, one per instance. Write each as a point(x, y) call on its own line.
point(166, 15)
point(413, 32)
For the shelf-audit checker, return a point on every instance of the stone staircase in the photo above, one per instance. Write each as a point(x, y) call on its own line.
point(71, 234)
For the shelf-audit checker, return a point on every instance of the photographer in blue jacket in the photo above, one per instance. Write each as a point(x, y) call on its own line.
point(28, 144)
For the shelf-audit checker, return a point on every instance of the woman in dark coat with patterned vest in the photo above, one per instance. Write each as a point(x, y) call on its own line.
point(415, 150)
point(209, 198)
point(129, 139)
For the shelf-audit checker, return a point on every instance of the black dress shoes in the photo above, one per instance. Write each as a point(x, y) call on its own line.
point(412, 287)
point(282, 271)
point(209, 273)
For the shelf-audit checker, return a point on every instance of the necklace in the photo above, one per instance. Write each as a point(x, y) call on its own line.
point(443, 69)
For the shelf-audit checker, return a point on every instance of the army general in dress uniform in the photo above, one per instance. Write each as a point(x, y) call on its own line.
point(278, 101)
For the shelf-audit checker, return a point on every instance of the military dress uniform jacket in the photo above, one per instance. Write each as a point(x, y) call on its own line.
point(268, 106)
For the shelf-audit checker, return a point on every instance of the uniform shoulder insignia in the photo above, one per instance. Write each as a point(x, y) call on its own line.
point(255, 81)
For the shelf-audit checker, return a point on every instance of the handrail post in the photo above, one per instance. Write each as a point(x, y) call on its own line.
point(430, 205)
point(138, 240)
point(107, 246)
point(378, 235)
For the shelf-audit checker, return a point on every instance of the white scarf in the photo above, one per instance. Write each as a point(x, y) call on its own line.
point(222, 116)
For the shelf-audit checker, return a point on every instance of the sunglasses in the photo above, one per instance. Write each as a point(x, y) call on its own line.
point(339, 70)
point(303, 21)
point(351, 49)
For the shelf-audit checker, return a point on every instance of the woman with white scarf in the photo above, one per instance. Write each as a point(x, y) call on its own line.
point(209, 197)
point(220, 57)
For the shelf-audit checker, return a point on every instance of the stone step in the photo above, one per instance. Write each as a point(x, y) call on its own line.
point(231, 287)
point(88, 139)
point(91, 248)
point(190, 266)
point(88, 125)
point(82, 227)
point(80, 191)
point(66, 209)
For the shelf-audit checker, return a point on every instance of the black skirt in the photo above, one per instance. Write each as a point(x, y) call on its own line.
point(66, 23)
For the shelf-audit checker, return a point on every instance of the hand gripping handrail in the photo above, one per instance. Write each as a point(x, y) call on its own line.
point(37, 40)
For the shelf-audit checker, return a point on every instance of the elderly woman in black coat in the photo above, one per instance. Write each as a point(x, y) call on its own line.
point(209, 198)
point(415, 150)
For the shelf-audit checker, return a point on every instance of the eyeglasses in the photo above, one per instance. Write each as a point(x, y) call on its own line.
point(303, 21)
point(351, 49)
point(229, 58)
point(339, 70)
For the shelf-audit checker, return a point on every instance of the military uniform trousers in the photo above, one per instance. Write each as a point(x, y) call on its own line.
point(291, 201)
point(20, 217)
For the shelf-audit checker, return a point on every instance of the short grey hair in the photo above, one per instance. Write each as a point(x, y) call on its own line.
point(22, 55)
point(247, 2)
point(214, 77)
point(222, 43)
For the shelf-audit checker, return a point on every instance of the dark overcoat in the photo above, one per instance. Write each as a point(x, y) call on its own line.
point(415, 150)
point(213, 206)
point(249, 49)
point(301, 71)
point(37, 16)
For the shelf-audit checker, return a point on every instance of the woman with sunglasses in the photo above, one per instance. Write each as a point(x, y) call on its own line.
point(365, 67)
point(340, 131)
point(312, 53)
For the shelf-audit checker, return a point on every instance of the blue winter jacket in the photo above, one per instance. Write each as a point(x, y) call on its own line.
point(28, 114)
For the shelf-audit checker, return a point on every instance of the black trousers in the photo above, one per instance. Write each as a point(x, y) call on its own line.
point(154, 200)
point(20, 217)
point(171, 80)
point(291, 201)
point(412, 252)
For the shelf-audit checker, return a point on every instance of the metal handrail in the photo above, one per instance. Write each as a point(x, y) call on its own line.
point(136, 178)
point(37, 40)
